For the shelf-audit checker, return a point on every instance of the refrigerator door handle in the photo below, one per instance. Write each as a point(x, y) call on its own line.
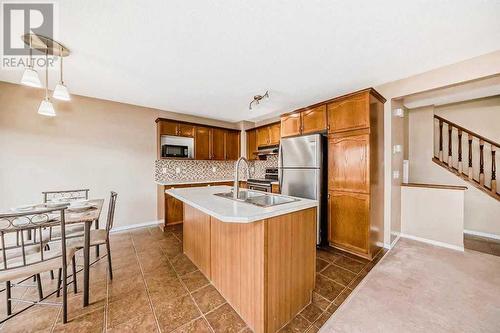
point(280, 165)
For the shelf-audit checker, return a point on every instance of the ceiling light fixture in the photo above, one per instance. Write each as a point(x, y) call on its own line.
point(30, 76)
point(46, 108)
point(257, 99)
point(49, 47)
point(61, 91)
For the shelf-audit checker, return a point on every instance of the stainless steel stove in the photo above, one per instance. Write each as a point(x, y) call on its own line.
point(263, 184)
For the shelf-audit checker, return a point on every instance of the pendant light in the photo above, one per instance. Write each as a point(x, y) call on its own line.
point(46, 108)
point(30, 76)
point(61, 91)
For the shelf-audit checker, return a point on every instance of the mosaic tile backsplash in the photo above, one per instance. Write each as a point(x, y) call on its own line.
point(171, 171)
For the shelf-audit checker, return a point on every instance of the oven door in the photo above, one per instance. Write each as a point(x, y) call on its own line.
point(259, 187)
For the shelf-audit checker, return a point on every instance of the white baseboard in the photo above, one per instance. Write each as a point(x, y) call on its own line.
point(482, 234)
point(398, 235)
point(384, 245)
point(138, 225)
point(433, 242)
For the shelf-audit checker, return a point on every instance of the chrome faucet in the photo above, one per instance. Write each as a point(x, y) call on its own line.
point(236, 188)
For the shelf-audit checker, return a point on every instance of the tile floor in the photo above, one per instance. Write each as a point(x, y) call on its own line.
point(156, 288)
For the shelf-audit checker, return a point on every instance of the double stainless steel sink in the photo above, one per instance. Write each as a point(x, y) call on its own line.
point(257, 198)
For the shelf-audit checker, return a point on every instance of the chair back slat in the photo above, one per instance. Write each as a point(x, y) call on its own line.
point(4, 254)
point(23, 249)
point(30, 221)
point(66, 195)
point(111, 211)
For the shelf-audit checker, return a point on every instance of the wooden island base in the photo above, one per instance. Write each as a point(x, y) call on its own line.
point(264, 269)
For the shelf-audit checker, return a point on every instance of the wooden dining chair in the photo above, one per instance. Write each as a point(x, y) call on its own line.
point(100, 236)
point(33, 263)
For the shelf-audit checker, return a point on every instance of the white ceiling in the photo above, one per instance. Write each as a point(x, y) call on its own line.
point(208, 58)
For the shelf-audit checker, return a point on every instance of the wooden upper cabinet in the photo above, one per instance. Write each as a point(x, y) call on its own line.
point(290, 125)
point(174, 128)
point(350, 113)
point(251, 144)
point(314, 120)
point(274, 134)
point(218, 144)
point(202, 143)
point(167, 127)
point(185, 130)
point(349, 163)
point(349, 221)
point(232, 145)
point(263, 136)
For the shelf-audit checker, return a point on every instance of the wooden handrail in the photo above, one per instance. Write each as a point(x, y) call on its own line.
point(467, 131)
point(480, 182)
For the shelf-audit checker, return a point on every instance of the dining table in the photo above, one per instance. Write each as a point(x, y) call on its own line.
point(86, 215)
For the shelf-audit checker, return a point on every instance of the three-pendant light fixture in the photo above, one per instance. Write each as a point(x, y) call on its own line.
point(30, 76)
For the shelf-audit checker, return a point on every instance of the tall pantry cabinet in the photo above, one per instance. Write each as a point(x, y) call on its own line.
point(355, 172)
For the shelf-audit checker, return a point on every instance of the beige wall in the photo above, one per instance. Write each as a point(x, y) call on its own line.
point(91, 143)
point(423, 215)
point(475, 68)
point(482, 116)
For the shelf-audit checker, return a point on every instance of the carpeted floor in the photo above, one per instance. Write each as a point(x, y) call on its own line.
point(422, 288)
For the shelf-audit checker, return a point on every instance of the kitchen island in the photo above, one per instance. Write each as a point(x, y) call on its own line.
point(261, 259)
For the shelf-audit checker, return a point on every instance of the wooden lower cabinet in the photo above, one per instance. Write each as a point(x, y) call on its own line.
point(171, 209)
point(355, 173)
point(196, 238)
point(264, 269)
point(349, 216)
point(349, 162)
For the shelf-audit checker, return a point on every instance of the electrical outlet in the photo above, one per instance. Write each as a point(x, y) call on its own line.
point(396, 149)
point(164, 170)
point(399, 112)
point(214, 169)
point(395, 174)
point(177, 170)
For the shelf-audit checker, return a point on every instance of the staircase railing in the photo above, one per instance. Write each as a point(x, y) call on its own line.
point(480, 167)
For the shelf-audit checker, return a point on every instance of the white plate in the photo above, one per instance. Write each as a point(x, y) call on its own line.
point(79, 204)
point(24, 208)
point(55, 204)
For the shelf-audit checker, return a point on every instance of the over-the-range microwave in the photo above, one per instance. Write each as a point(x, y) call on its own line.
point(177, 151)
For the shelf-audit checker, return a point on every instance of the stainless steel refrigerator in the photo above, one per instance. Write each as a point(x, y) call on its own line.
point(301, 172)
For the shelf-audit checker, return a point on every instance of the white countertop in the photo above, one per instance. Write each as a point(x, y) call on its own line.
point(227, 210)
